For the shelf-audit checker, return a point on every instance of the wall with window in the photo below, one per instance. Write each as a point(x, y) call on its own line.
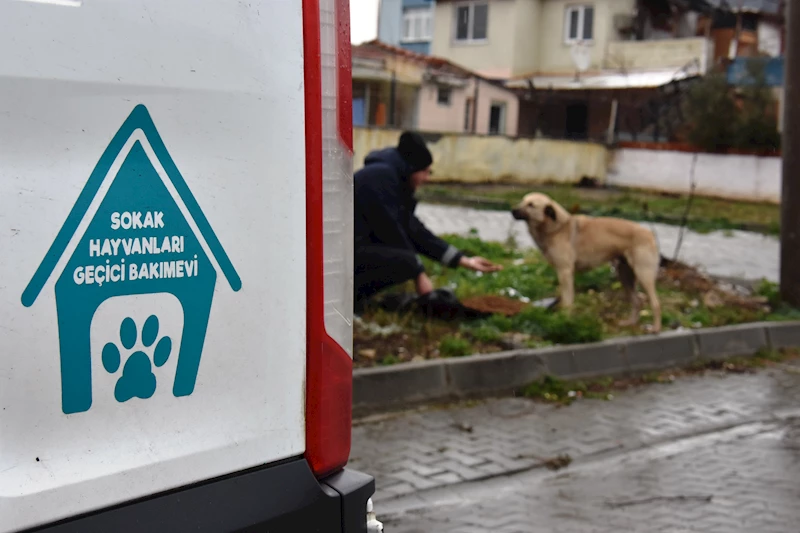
point(497, 111)
point(406, 23)
point(441, 107)
point(563, 22)
point(451, 108)
point(417, 25)
point(477, 34)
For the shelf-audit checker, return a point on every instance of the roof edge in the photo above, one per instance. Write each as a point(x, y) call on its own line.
point(431, 61)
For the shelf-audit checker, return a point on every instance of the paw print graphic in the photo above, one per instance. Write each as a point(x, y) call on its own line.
point(137, 378)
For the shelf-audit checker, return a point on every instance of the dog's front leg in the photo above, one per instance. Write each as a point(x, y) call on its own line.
point(566, 280)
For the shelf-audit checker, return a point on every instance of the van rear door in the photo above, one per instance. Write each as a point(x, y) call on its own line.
point(158, 251)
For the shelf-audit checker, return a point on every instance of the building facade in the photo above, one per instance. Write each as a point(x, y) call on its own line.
point(602, 69)
point(397, 88)
point(407, 24)
point(503, 39)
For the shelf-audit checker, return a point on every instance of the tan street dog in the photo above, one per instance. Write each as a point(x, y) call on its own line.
point(573, 243)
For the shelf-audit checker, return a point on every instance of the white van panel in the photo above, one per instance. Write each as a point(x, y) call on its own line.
point(113, 108)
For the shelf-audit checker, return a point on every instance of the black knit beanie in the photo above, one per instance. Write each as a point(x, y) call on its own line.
point(415, 153)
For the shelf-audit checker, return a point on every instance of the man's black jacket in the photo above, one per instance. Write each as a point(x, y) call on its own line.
point(384, 210)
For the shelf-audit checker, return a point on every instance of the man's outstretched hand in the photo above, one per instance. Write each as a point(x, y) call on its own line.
point(479, 264)
point(424, 284)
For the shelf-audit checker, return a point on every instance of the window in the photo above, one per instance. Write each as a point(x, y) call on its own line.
point(443, 95)
point(472, 21)
point(497, 118)
point(579, 24)
point(417, 24)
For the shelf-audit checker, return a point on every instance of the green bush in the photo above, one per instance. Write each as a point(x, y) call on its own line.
point(390, 359)
point(560, 327)
point(451, 346)
point(501, 322)
point(709, 106)
point(770, 291)
point(573, 328)
point(756, 126)
point(483, 332)
point(780, 309)
point(716, 122)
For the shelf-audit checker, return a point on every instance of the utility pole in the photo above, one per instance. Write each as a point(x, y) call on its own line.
point(790, 192)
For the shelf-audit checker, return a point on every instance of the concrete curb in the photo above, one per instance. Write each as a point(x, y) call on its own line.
point(400, 386)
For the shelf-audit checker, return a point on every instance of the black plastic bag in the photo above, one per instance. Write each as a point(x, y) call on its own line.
point(440, 304)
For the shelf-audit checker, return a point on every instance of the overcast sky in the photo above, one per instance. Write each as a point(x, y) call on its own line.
point(363, 20)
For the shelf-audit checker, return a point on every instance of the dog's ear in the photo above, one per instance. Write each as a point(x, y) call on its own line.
point(550, 212)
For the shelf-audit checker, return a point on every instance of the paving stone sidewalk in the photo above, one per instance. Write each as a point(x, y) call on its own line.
point(738, 254)
point(422, 450)
point(741, 480)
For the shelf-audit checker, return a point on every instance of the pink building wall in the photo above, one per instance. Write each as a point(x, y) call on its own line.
point(433, 116)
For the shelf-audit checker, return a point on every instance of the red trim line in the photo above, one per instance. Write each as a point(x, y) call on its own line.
point(344, 64)
point(328, 367)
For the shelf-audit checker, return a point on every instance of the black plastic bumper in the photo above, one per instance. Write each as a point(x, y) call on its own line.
point(274, 499)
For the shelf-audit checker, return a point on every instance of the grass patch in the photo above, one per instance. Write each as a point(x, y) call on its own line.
point(382, 337)
point(708, 214)
point(390, 359)
point(770, 291)
point(485, 332)
point(452, 346)
point(563, 392)
point(557, 327)
point(554, 390)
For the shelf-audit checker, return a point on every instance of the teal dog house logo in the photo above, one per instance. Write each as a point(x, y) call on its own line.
point(135, 229)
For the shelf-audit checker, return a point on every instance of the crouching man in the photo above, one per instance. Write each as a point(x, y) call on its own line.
point(388, 236)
